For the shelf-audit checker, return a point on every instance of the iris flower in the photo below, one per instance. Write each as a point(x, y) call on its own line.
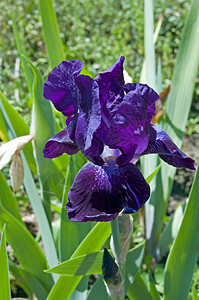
point(110, 123)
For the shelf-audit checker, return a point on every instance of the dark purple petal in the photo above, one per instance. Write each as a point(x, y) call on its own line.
point(130, 126)
point(111, 80)
point(61, 88)
point(144, 94)
point(100, 193)
point(168, 151)
point(89, 115)
point(60, 144)
point(69, 111)
point(125, 122)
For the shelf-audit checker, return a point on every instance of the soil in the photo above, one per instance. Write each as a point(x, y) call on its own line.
point(184, 177)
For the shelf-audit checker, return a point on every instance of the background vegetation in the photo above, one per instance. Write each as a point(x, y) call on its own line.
point(97, 33)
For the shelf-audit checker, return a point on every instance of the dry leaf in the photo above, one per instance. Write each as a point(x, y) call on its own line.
point(159, 105)
point(7, 150)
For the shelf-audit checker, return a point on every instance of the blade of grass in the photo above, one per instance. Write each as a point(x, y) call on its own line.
point(4, 274)
point(52, 38)
point(184, 252)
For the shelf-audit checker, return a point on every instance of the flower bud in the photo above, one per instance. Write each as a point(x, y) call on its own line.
point(112, 276)
point(16, 172)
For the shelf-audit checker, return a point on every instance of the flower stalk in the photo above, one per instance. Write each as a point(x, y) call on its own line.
point(117, 247)
point(122, 229)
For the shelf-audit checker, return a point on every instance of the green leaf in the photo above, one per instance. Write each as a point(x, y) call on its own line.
point(11, 116)
point(184, 252)
point(26, 249)
point(138, 290)
point(170, 231)
point(81, 291)
point(82, 265)
point(149, 43)
point(37, 206)
point(143, 76)
point(28, 74)
point(177, 110)
point(133, 262)
point(92, 264)
point(52, 38)
point(47, 238)
point(71, 233)
point(4, 274)
point(149, 163)
point(7, 200)
point(56, 175)
point(42, 123)
point(98, 291)
point(194, 293)
point(3, 129)
point(152, 175)
point(92, 243)
point(94, 240)
point(29, 283)
point(42, 128)
point(152, 287)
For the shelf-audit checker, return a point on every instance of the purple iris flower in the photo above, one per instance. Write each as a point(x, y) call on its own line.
point(110, 123)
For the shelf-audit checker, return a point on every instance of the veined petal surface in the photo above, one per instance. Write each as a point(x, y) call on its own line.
point(168, 151)
point(61, 87)
point(100, 193)
point(59, 144)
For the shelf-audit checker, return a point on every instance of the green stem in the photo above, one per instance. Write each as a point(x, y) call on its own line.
point(116, 238)
point(118, 247)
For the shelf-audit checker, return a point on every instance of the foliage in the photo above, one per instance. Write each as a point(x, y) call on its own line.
point(97, 33)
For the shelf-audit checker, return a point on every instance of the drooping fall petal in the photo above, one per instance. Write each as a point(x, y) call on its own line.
point(100, 193)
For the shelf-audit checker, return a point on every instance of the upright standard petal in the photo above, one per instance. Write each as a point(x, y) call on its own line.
point(111, 80)
point(100, 193)
point(59, 144)
point(89, 111)
point(147, 95)
point(126, 121)
point(168, 151)
point(61, 87)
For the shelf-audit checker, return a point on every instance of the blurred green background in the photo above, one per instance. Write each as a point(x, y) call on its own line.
point(97, 33)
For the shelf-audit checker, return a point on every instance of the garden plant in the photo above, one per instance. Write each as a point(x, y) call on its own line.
point(92, 151)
